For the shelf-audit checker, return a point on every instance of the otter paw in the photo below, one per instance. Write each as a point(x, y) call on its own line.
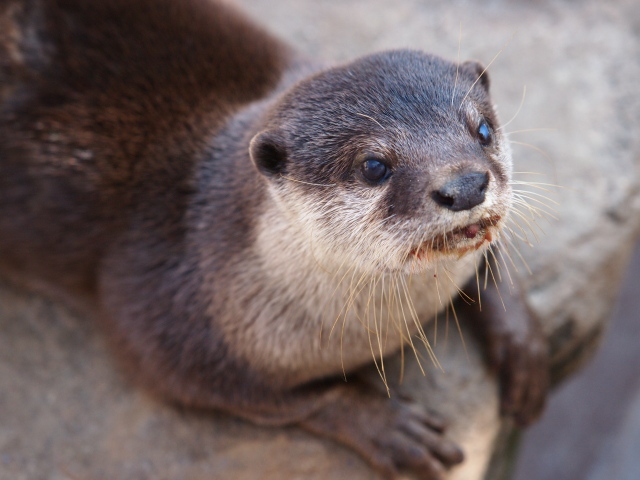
point(393, 434)
point(521, 362)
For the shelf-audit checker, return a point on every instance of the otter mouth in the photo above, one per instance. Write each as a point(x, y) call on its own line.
point(458, 241)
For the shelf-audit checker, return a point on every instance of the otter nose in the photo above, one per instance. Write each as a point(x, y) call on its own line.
point(463, 192)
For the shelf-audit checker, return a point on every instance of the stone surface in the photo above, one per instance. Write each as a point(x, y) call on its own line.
point(66, 413)
point(591, 429)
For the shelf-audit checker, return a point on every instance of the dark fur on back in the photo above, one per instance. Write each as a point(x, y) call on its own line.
point(91, 137)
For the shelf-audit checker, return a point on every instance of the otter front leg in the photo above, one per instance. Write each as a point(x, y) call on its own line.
point(517, 350)
point(393, 434)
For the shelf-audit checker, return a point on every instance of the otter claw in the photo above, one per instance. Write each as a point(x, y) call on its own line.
point(392, 434)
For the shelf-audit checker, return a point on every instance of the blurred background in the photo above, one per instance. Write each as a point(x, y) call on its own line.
point(591, 428)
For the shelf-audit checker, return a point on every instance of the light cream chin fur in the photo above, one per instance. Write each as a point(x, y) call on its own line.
point(325, 313)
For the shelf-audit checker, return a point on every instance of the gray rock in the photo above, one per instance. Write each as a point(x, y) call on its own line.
point(68, 414)
point(590, 427)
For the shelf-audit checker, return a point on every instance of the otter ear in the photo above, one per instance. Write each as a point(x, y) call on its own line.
point(268, 152)
point(477, 70)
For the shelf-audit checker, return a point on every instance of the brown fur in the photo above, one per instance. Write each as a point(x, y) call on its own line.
point(193, 183)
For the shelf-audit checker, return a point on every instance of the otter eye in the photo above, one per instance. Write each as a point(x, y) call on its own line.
point(374, 171)
point(485, 136)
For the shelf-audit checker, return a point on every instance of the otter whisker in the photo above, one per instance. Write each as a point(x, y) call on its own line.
point(531, 222)
point(348, 304)
point(307, 183)
point(511, 238)
point(435, 329)
point(527, 196)
point(338, 285)
point(475, 264)
point(533, 147)
point(486, 269)
point(503, 249)
point(538, 185)
point(422, 335)
point(495, 282)
point(392, 321)
point(522, 200)
point(353, 293)
point(524, 92)
point(526, 220)
point(446, 325)
point(485, 69)
point(379, 366)
point(412, 310)
point(406, 251)
point(438, 283)
point(523, 238)
point(527, 130)
point(409, 335)
point(536, 213)
point(446, 241)
point(534, 210)
point(455, 82)
point(455, 316)
point(386, 219)
point(538, 195)
point(401, 378)
point(517, 251)
point(390, 305)
point(378, 329)
point(372, 119)
point(464, 295)
point(504, 263)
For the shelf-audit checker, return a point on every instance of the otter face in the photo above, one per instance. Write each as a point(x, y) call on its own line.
point(391, 163)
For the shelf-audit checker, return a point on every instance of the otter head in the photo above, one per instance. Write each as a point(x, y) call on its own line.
point(390, 163)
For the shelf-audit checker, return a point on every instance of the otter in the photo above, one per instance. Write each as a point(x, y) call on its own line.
point(249, 226)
